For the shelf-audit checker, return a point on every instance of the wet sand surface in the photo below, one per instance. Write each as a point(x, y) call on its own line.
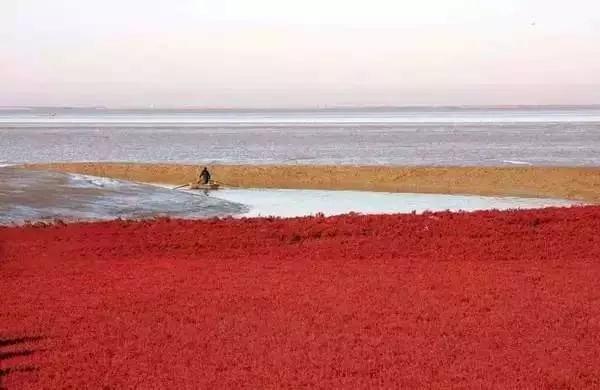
point(582, 184)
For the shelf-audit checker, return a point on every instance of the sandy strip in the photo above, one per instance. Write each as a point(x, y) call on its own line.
point(549, 182)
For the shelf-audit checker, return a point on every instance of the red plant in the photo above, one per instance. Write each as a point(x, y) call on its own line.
point(484, 300)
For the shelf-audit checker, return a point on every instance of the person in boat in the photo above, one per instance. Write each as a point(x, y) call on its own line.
point(204, 176)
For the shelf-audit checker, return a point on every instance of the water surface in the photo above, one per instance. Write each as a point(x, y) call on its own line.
point(27, 195)
point(297, 203)
point(397, 136)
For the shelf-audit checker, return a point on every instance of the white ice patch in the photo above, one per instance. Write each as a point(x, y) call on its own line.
point(296, 203)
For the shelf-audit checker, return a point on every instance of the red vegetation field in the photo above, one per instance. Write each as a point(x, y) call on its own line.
point(481, 300)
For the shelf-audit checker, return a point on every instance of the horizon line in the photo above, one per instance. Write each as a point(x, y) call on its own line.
point(292, 108)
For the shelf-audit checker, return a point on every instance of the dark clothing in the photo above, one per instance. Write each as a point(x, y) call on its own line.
point(204, 176)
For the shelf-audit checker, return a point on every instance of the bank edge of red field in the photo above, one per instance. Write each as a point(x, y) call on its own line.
point(486, 299)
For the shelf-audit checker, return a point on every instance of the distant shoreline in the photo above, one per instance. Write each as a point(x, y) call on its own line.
point(324, 107)
point(573, 183)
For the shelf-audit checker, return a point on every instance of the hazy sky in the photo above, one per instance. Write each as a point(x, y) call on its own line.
point(298, 53)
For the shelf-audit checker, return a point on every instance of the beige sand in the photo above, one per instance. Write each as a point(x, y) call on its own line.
point(560, 182)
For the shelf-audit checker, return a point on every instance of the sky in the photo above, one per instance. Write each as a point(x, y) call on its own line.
point(304, 53)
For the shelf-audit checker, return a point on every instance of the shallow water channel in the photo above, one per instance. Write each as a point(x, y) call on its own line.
point(27, 195)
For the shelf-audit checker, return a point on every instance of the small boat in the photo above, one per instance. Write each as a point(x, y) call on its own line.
point(210, 186)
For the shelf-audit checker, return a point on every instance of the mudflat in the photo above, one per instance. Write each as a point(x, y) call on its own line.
point(576, 183)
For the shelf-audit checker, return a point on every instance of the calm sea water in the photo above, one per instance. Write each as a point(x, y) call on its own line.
point(27, 195)
point(400, 136)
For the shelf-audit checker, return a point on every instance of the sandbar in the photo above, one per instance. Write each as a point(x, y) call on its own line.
point(574, 183)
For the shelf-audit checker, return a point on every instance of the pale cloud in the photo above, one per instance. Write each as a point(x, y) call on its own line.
point(268, 52)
